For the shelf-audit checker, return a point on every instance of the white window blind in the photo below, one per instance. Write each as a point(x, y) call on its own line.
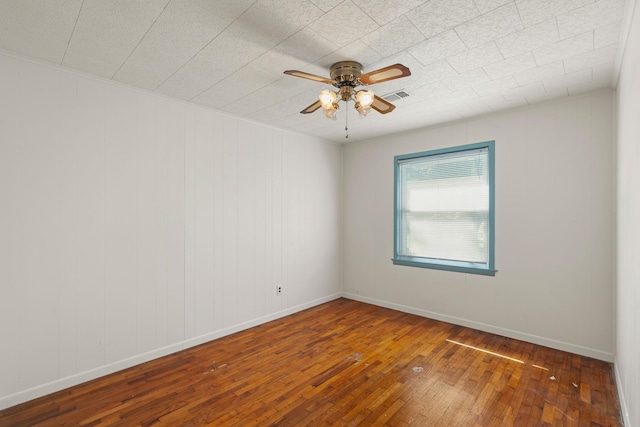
point(444, 206)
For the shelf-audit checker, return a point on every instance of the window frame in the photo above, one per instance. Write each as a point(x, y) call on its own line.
point(487, 269)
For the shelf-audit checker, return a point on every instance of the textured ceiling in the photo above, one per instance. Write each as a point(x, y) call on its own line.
point(467, 57)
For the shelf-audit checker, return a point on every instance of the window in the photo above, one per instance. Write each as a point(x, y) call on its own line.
point(444, 209)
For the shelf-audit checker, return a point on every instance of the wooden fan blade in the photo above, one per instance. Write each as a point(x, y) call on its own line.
point(382, 106)
point(308, 76)
point(391, 72)
point(311, 108)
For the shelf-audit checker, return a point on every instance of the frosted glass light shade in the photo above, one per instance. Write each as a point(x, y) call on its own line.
point(327, 98)
point(361, 110)
point(330, 113)
point(365, 98)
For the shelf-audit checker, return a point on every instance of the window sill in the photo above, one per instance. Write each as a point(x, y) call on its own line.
point(460, 267)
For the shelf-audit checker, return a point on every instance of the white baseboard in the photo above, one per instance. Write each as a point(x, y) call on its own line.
point(624, 409)
point(559, 345)
point(79, 378)
point(192, 342)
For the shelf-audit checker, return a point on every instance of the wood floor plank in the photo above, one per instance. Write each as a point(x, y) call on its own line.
point(343, 363)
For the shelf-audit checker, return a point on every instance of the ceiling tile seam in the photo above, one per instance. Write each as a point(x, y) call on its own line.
point(231, 74)
point(330, 9)
point(397, 52)
point(283, 42)
point(141, 39)
point(481, 66)
point(555, 19)
point(249, 93)
point(515, 3)
point(411, 55)
point(324, 14)
point(480, 14)
point(484, 14)
point(495, 8)
point(405, 15)
point(565, 90)
point(548, 89)
point(370, 17)
point(464, 43)
point(592, 31)
point(558, 41)
point(203, 48)
point(567, 13)
point(564, 64)
point(73, 30)
point(455, 29)
point(371, 47)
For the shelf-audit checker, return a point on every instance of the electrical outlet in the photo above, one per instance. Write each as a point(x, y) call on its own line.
point(278, 289)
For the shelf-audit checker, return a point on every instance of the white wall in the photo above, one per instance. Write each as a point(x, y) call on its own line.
point(554, 227)
point(628, 249)
point(133, 225)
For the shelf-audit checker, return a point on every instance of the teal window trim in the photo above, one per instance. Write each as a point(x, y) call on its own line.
point(487, 269)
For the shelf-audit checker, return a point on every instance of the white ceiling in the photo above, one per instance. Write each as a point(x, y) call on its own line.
point(467, 57)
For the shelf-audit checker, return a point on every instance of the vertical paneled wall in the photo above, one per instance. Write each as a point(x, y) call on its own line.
point(261, 210)
point(133, 225)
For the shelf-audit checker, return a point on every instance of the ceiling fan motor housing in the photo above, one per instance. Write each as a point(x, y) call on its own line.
point(346, 73)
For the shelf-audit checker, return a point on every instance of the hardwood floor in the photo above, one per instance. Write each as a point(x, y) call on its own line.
point(344, 363)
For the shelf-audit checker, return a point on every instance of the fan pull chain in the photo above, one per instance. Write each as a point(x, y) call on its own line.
point(346, 120)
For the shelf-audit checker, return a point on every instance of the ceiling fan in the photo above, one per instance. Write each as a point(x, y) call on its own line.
point(346, 76)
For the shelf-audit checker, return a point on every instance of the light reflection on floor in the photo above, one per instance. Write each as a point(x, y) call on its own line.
point(485, 351)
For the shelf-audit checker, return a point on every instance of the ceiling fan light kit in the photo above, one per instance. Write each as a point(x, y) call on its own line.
point(346, 76)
